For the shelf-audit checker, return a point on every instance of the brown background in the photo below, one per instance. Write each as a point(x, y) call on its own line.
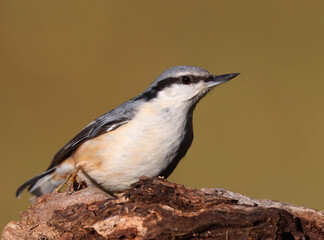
point(63, 63)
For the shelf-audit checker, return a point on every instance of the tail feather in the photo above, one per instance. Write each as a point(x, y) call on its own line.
point(34, 183)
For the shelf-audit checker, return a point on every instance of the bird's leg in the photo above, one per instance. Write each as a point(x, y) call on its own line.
point(67, 179)
point(94, 182)
point(71, 177)
point(76, 179)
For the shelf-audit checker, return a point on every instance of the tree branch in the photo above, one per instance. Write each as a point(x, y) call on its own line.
point(157, 209)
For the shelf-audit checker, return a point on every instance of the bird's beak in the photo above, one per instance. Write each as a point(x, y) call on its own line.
point(219, 79)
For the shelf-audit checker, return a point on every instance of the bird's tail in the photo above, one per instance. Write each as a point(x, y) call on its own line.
point(41, 184)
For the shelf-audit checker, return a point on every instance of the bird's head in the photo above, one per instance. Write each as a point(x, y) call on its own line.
point(181, 84)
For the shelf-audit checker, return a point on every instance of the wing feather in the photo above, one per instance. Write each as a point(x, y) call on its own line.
point(105, 123)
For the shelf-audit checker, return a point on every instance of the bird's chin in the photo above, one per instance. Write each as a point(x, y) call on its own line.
point(201, 94)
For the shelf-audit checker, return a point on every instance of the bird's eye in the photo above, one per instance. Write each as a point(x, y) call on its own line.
point(185, 80)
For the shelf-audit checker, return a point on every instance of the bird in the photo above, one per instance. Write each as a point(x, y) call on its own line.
point(145, 136)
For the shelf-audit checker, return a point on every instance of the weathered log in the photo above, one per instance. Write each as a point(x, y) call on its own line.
point(157, 209)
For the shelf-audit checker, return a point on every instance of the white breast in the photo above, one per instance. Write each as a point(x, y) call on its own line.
point(144, 146)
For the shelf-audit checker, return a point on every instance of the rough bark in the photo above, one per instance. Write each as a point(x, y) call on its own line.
point(157, 209)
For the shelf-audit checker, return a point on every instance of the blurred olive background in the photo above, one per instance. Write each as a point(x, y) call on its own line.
point(63, 63)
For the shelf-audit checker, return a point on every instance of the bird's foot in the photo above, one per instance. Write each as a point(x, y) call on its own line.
point(74, 182)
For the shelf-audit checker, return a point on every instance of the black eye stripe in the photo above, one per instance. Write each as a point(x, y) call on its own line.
point(167, 82)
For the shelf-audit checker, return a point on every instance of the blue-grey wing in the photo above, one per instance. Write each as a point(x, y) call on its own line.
point(105, 123)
